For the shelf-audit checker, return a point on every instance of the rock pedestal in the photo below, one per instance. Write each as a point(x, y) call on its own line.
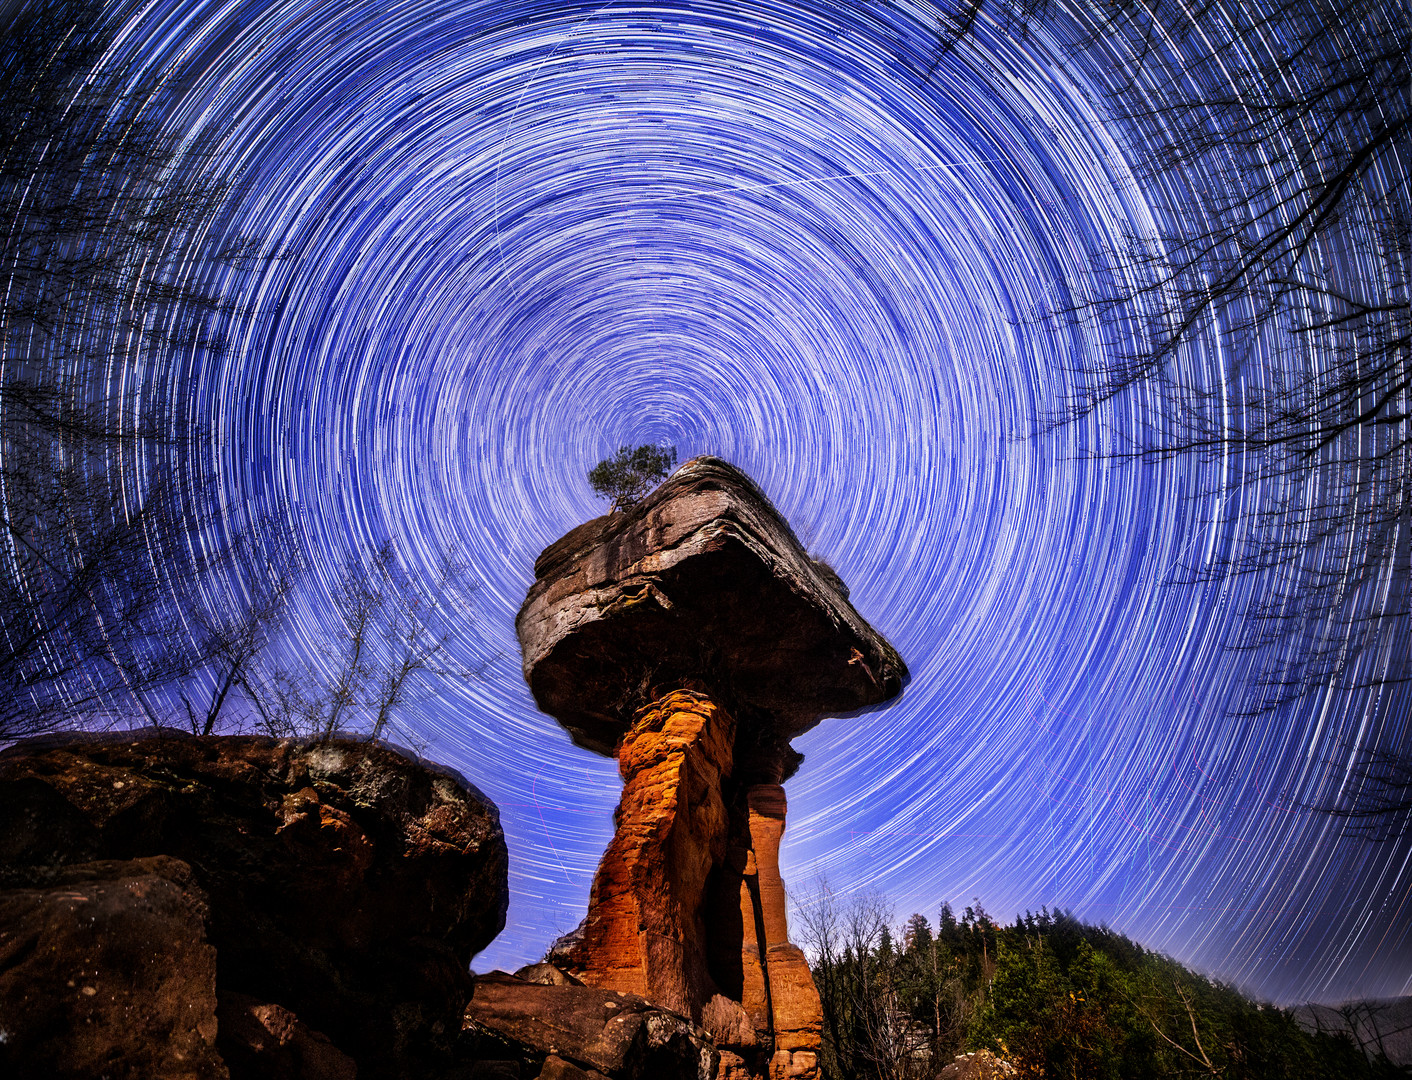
point(646, 932)
point(692, 637)
point(794, 1009)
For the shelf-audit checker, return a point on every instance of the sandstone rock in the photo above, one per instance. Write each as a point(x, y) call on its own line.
point(795, 1010)
point(646, 931)
point(495, 1070)
point(569, 1031)
point(348, 885)
point(556, 1068)
point(702, 583)
point(546, 975)
point(258, 1039)
point(105, 971)
point(735, 1067)
point(693, 637)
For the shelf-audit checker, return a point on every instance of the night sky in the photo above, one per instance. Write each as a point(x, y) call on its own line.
point(806, 238)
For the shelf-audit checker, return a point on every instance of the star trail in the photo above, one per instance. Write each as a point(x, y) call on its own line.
point(818, 240)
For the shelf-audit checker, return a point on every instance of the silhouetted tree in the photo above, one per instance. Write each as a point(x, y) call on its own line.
point(227, 643)
point(387, 644)
point(1273, 142)
point(1285, 132)
point(101, 217)
point(867, 989)
point(1292, 131)
point(1376, 799)
point(631, 473)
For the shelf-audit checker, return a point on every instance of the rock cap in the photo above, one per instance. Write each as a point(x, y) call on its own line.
point(703, 585)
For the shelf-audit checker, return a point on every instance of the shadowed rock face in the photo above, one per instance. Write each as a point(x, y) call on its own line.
point(327, 899)
point(566, 1032)
point(105, 970)
point(692, 637)
point(702, 582)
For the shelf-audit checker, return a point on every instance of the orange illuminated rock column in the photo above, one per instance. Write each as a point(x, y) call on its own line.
point(645, 925)
point(693, 637)
point(796, 1015)
point(656, 889)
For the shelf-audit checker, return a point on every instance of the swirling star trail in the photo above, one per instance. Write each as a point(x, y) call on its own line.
point(513, 236)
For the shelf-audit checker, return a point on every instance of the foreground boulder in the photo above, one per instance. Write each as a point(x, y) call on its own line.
point(268, 1041)
point(521, 1030)
point(692, 637)
point(106, 956)
point(342, 890)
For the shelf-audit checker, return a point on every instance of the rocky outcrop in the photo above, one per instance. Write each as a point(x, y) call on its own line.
point(269, 1041)
point(524, 1031)
point(323, 900)
point(646, 933)
point(693, 637)
point(105, 970)
point(702, 583)
point(795, 1016)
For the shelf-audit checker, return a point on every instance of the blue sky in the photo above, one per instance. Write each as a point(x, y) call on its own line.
point(800, 236)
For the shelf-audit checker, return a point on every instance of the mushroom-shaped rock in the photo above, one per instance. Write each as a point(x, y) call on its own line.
point(703, 581)
point(693, 637)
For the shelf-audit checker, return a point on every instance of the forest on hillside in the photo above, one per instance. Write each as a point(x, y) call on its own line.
point(1050, 996)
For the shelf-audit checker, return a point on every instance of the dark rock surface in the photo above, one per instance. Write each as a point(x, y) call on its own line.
point(268, 1041)
point(546, 975)
point(703, 583)
point(105, 971)
point(347, 886)
point(524, 1030)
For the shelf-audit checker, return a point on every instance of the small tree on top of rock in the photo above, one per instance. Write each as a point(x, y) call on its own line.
point(631, 473)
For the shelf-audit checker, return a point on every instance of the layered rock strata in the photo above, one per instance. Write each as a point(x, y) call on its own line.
point(693, 637)
point(526, 1031)
point(248, 907)
point(647, 932)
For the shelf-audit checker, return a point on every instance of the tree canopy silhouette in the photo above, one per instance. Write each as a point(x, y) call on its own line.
point(631, 473)
point(1266, 319)
point(102, 219)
